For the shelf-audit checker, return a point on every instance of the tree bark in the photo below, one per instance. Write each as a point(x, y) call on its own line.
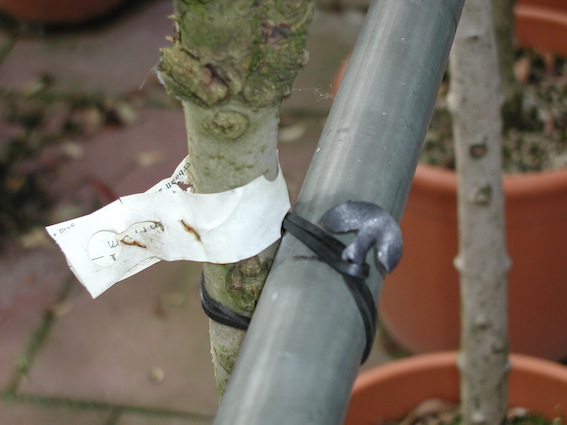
point(474, 100)
point(231, 64)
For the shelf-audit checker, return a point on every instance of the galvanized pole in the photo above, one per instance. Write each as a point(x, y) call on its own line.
point(304, 346)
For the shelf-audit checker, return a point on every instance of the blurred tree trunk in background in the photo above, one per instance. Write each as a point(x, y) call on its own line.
point(474, 100)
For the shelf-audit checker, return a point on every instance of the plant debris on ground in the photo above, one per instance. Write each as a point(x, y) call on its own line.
point(435, 411)
point(40, 129)
point(538, 141)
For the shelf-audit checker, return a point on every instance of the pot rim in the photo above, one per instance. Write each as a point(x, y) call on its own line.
point(541, 13)
point(533, 382)
point(515, 185)
point(441, 359)
point(406, 366)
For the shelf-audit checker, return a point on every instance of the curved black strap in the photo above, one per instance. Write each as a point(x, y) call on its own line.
point(329, 249)
point(219, 313)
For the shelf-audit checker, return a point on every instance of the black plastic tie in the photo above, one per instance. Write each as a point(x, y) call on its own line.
point(219, 313)
point(329, 249)
point(375, 227)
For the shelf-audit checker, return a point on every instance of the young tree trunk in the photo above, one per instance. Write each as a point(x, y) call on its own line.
point(474, 100)
point(231, 65)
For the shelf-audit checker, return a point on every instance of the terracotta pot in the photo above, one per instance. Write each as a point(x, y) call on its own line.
point(554, 4)
point(391, 391)
point(57, 11)
point(419, 304)
point(544, 28)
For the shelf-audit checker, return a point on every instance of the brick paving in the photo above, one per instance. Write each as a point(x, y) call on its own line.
point(139, 354)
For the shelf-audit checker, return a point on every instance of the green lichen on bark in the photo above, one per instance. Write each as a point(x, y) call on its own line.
point(280, 50)
point(228, 124)
point(185, 77)
point(239, 285)
point(224, 353)
point(243, 50)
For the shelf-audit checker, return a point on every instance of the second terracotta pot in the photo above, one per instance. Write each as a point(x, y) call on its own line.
point(419, 304)
point(391, 391)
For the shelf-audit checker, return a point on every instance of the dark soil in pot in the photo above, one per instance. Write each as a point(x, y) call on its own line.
point(537, 141)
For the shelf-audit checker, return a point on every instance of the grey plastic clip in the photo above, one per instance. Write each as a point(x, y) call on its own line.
point(375, 227)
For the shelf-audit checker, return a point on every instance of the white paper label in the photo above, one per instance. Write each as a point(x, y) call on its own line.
point(169, 223)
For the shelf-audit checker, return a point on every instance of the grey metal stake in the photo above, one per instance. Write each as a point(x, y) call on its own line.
point(304, 346)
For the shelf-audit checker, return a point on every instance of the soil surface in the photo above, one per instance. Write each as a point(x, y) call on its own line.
point(441, 412)
point(535, 142)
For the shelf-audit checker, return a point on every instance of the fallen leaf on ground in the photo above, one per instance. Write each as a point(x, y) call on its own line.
point(157, 375)
point(61, 308)
point(149, 158)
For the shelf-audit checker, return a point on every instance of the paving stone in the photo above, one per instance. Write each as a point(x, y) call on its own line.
point(30, 280)
point(162, 135)
point(115, 59)
point(142, 343)
point(111, 166)
point(331, 38)
point(17, 413)
point(138, 419)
